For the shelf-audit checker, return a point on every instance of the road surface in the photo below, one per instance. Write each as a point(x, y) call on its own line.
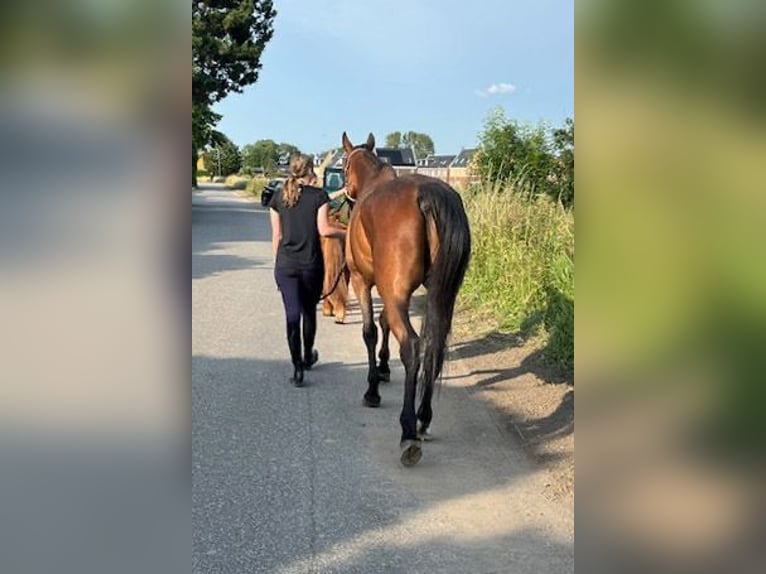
point(299, 480)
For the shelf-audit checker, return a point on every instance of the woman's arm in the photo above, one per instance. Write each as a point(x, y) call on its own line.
point(326, 227)
point(336, 194)
point(276, 231)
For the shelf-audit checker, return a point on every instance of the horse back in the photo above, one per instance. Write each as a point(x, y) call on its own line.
point(388, 235)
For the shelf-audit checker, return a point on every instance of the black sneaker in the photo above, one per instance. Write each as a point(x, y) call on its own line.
point(308, 363)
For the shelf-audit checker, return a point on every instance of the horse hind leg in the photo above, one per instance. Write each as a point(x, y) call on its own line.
point(340, 307)
point(336, 281)
point(327, 308)
point(411, 450)
point(384, 371)
point(339, 298)
point(425, 413)
point(409, 352)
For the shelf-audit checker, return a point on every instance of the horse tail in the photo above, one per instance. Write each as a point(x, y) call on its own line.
point(449, 242)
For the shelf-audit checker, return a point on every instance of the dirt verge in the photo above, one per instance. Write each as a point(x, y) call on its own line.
point(532, 399)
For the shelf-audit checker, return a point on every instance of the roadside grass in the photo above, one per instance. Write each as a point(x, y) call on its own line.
point(521, 276)
point(236, 182)
point(249, 186)
point(255, 185)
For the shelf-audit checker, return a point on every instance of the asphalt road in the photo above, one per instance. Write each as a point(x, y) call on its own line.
point(308, 480)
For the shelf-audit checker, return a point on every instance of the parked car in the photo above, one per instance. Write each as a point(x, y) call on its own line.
point(333, 179)
point(270, 189)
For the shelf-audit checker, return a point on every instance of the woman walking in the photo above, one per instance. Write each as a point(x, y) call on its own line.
point(298, 217)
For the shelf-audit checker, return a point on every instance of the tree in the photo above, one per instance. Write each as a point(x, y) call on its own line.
point(422, 144)
point(394, 139)
point(262, 154)
point(531, 158)
point(224, 158)
point(203, 120)
point(228, 38)
point(563, 144)
point(265, 154)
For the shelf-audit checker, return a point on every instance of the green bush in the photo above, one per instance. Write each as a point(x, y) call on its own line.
point(236, 182)
point(255, 186)
point(542, 160)
point(522, 265)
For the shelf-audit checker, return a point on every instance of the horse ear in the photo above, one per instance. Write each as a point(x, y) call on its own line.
point(347, 145)
point(370, 145)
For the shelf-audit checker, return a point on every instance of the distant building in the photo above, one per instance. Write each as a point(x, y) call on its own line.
point(402, 159)
point(454, 169)
point(435, 166)
point(397, 156)
point(462, 171)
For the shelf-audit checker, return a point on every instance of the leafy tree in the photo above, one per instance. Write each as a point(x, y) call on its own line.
point(203, 120)
point(262, 154)
point(563, 144)
point(224, 157)
point(533, 159)
point(421, 143)
point(250, 160)
point(394, 139)
point(228, 38)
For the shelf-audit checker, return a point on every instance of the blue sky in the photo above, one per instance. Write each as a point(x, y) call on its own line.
point(431, 66)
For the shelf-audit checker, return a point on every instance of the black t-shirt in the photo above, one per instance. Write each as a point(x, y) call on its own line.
point(299, 248)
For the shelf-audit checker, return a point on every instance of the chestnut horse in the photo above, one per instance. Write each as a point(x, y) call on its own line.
point(404, 232)
point(335, 287)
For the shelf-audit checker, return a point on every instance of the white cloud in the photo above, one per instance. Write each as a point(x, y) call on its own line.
point(495, 89)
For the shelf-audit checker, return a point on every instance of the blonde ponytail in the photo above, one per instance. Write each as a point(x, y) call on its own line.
point(301, 167)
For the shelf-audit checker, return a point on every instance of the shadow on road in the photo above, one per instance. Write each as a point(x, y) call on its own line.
point(236, 223)
point(313, 482)
point(532, 363)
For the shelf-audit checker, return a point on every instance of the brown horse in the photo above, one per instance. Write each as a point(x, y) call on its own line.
point(335, 288)
point(404, 232)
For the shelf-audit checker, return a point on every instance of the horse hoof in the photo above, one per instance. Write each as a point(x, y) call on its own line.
point(340, 320)
point(411, 452)
point(384, 376)
point(425, 435)
point(371, 401)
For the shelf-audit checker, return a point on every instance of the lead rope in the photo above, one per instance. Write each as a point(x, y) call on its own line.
point(335, 284)
point(346, 199)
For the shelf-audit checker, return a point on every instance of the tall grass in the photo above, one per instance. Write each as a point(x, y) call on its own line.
point(255, 185)
point(236, 182)
point(522, 265)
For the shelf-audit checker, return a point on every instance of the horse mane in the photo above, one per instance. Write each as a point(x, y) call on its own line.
point(373, 162)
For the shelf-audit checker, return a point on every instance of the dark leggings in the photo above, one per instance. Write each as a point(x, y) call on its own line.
point(301, 290)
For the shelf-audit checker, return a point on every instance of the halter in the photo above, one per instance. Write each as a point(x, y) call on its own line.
point(348, 158)
point(345, 171)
